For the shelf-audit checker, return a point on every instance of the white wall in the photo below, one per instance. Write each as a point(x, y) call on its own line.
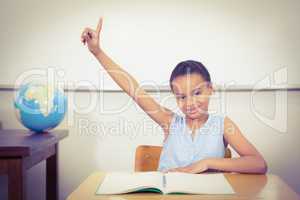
point(113, 147)
point(255, 37)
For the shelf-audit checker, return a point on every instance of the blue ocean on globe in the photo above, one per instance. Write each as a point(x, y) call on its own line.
point(40, 107)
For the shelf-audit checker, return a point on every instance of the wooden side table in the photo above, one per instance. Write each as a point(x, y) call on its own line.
point(22, 149)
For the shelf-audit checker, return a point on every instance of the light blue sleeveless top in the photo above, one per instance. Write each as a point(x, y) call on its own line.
point(180, 149)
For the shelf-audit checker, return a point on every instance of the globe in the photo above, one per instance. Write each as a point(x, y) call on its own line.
point(40, 107)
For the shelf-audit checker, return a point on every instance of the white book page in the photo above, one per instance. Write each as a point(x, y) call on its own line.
point(124, 182)
point(197, 183)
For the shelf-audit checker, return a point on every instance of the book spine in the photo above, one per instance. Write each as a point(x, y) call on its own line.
point(164, 181)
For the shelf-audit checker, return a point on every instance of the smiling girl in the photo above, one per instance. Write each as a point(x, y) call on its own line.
point(195, 142)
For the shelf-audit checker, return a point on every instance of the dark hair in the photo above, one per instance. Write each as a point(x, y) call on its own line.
point(189, 67)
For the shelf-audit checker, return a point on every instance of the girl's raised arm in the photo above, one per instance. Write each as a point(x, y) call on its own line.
point(158, 113)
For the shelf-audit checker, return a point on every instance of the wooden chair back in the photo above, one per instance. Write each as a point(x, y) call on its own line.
point(147, 157)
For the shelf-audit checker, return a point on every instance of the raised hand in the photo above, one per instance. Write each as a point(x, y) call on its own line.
point(91, 37)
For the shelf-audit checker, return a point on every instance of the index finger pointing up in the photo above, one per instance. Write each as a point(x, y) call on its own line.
point(99, 26)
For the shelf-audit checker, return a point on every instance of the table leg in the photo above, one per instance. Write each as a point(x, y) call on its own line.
point(52, 177)
point(16, 179)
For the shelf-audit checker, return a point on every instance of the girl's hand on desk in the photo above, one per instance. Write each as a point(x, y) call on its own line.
point(91, 37)
point(197, 167)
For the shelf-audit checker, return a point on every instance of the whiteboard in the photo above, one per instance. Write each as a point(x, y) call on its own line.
point(240, 42)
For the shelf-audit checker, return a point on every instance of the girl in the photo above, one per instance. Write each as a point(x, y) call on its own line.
point(193, 143)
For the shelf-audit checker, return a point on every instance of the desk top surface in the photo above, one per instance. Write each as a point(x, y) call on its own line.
point(246, 186)
point(19, 142)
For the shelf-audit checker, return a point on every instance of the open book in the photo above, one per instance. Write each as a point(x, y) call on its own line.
point(165, 183)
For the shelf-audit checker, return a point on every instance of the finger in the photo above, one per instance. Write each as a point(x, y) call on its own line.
point(99, 26)
point(83, 39)
point(83, 36)
point(88, 32)
point(182, 169)
point(91, 33)
point(83, 33)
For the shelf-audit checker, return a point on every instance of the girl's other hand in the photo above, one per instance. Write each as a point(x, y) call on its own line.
point(197, 167)
point(91, 37)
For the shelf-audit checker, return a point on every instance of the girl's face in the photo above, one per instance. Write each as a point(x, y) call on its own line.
point(192, 94)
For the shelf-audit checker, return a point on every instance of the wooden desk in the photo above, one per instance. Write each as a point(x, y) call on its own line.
point(20, 150)
point(246, 187)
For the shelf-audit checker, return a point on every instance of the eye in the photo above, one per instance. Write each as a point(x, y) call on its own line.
point(198, 92)
point(181, 97)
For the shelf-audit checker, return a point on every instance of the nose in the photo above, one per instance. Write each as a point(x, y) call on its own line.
point(190, 103)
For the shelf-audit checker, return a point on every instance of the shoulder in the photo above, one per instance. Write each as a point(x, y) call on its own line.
point(228, 121)
point(230, 127)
